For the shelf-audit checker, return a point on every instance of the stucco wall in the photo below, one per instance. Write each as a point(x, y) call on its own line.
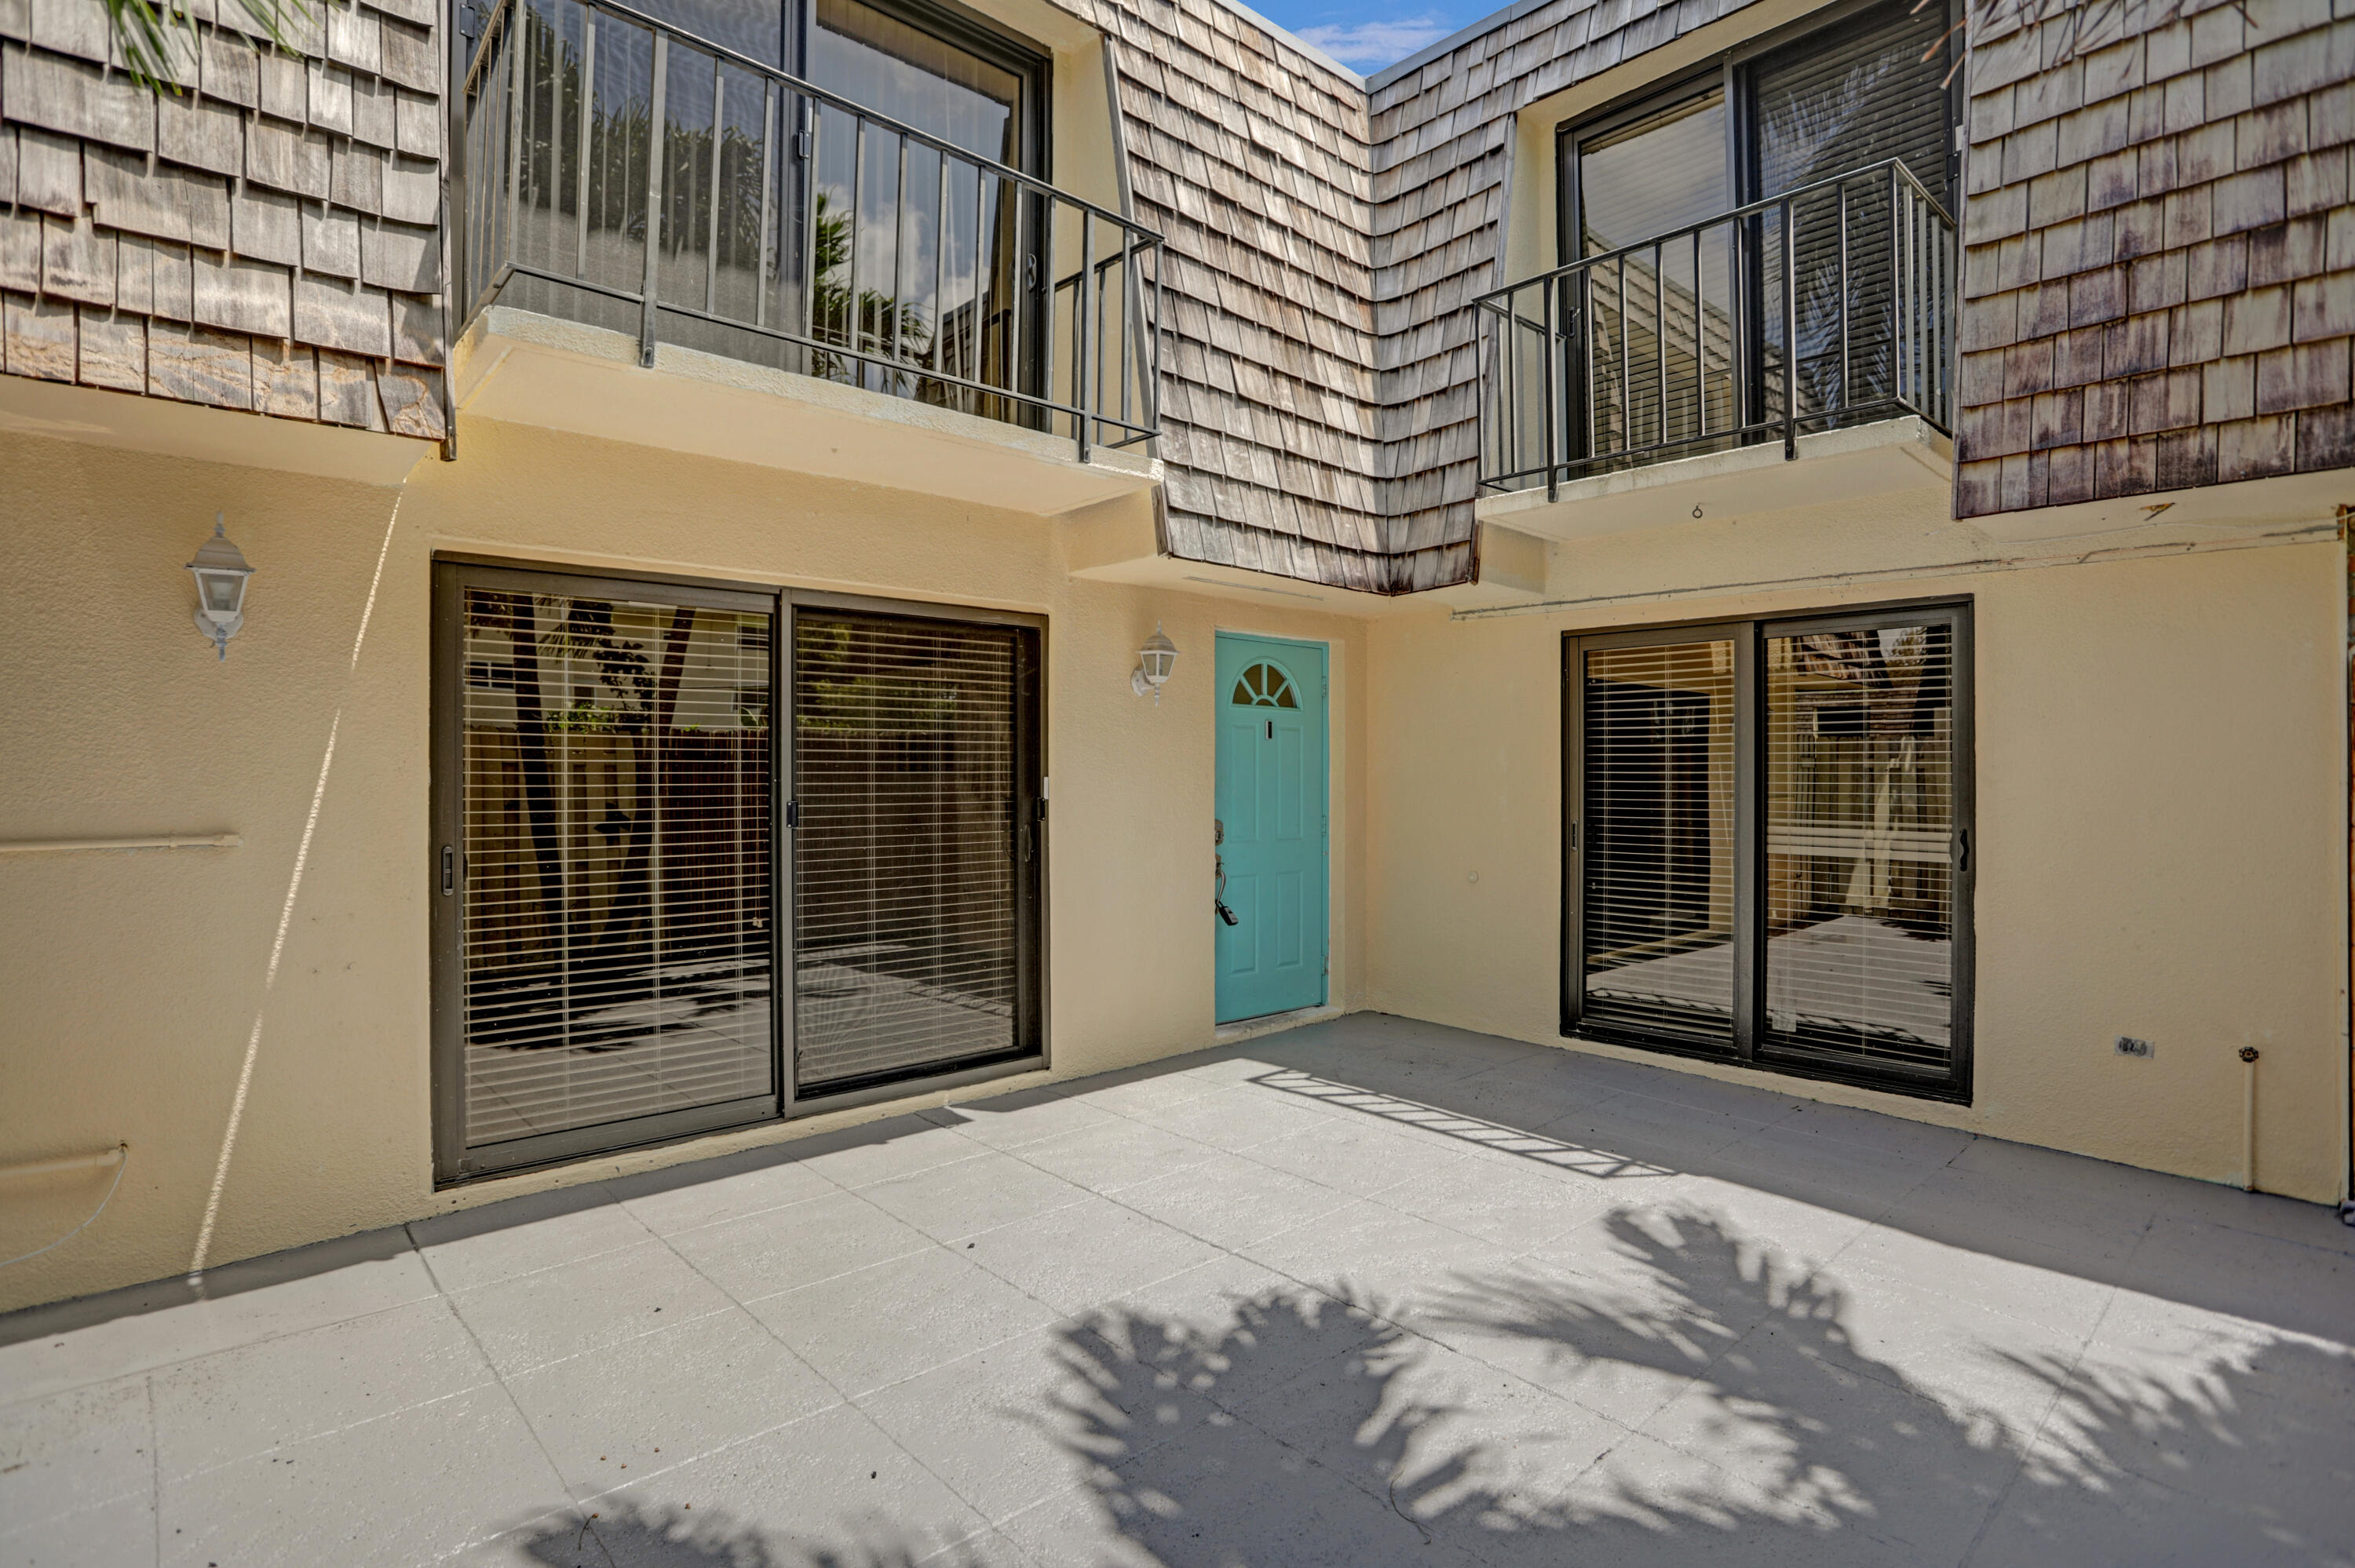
point(134, 981)
point(2161, 794)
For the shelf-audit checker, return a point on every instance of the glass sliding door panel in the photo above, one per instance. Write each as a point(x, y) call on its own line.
point(614, 816)
point(1656, 365)
point(1825, 106)
point(916, 265)
point(909, 944)
point(902, 71)
point(1861, 818)
point(1657, 924)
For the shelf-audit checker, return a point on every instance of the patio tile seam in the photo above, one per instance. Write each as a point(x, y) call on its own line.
point(112, 1500)
point(684, 1319)
point(835, 1188)
point(154, 1470)
point(1375, 1313)
point(567, 1511)
point(583, 1499)
point(181, 1477)
point(2003, 1497)
point(980, 1150)
point(844, 1396)
point(555, 1470)
point(748, 1302)
point(9, 1401)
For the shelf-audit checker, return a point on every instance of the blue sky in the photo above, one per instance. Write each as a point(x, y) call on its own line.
point(1365, 37)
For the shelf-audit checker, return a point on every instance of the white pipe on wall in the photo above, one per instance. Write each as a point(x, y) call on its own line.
point(98, 1162)
point(2248, 1119)
point(167, 840)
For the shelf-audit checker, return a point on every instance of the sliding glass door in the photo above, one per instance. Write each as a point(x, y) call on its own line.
point(919, 853)
point(1768, 844)
point(613, 900)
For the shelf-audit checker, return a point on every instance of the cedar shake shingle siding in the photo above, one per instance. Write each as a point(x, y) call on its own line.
point(1250, 159)
point(1326, 244)
point(2159, 285)
point(265, 238)
point(2158, 282)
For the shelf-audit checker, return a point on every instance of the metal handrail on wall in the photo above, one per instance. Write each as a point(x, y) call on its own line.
point(619, 170)
point(1828, 305)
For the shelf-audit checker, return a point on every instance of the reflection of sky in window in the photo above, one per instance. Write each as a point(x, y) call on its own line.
point(1660, 175)
point(757, 28)
point(886, 66)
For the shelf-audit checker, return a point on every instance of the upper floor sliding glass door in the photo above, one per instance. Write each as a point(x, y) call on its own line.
point(850, 189)
point(1739, 258)
point(1767, 844)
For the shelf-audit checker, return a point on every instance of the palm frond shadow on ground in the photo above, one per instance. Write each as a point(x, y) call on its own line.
point(1310, 1427)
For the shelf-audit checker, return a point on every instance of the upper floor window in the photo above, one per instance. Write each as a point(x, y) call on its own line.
point(1868, 87)
point(924, 63)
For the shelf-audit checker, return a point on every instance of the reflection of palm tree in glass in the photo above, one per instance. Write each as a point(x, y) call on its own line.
point(887, 326)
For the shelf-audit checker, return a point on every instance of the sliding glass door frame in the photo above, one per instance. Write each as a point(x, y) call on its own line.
point(1030, 817)
point(446, 869)
point(1749, 1043)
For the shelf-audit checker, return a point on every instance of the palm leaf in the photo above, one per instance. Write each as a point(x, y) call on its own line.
point(154, 34)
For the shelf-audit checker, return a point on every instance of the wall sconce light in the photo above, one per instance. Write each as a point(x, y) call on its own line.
point(1154, 663)
point(221, 575)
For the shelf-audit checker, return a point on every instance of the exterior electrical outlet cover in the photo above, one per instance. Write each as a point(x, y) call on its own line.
point(2130, 1047)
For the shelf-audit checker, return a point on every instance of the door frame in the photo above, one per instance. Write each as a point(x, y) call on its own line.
point(1747, 1031)
point(451, 1163)
point(1324, 845)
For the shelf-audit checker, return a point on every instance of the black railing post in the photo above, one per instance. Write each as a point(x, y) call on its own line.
point(654, 200)
point(1790, 332)
point(1847, 385)
point(1547, 314)
point(581, 182)
point(1080, 305)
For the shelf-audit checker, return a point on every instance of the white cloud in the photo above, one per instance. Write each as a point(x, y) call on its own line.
point(1369, 45)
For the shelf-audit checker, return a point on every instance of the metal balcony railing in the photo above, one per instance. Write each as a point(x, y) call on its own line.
point(774, 221)
point(1829, 305)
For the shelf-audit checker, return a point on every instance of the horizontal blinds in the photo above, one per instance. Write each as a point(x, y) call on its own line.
point(905, 859)
point(1860, 754)
point(1657, 927)
point(1854, 95)
point(1839, 100)
point(615, 818)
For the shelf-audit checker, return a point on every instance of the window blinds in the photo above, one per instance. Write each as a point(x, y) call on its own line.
point(1657, 929)
point(1839, 100)
point(615, 818)
point(1769, 844)
point(1860, 842)
point(912, 858)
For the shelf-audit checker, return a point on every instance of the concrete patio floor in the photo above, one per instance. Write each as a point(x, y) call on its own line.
point(1370, 1292)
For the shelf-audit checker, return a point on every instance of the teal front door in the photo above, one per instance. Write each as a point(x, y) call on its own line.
point(1271, 826)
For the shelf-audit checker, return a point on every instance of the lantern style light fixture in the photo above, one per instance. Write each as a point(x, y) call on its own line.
point(1154, 663)
point(221, 575)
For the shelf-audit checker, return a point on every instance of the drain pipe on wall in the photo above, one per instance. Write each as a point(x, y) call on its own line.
point(2248, 1119)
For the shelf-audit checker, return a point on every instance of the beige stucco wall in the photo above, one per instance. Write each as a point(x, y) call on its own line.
point(134, 981)
point(2162, 795)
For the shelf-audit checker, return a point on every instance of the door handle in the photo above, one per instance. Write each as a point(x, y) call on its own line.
point(448, 870)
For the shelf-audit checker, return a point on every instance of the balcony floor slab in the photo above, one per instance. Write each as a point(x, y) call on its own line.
point(521, 368)
point(1831, 467)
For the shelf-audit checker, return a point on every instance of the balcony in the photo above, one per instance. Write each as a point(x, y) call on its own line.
point(1811, 332)
point(879, 285)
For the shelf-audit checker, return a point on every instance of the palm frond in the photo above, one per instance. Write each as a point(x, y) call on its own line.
point(158, 39)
